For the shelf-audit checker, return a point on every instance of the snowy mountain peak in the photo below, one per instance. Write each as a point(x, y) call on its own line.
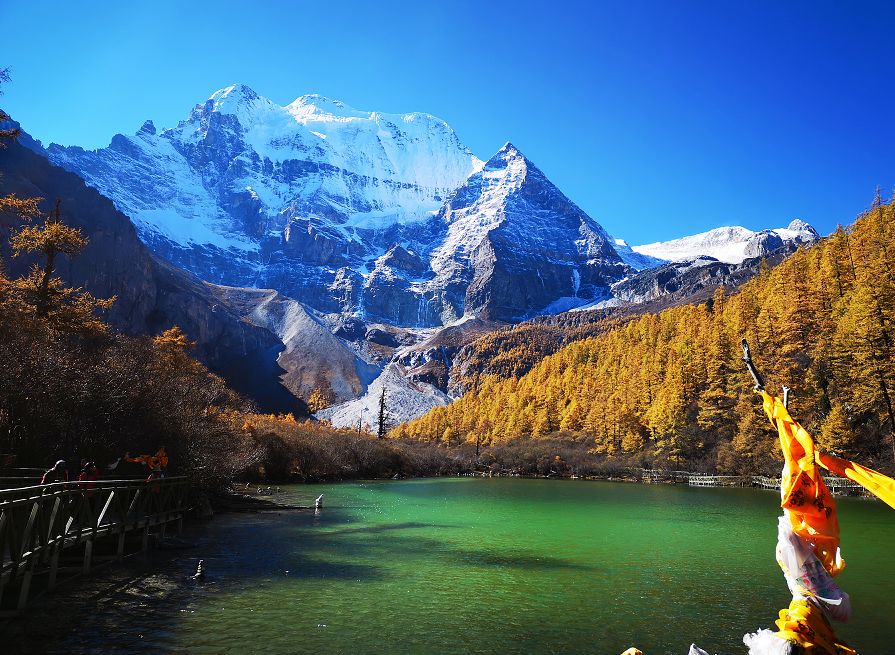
point(512, 235)
point(730, 244)
point(313, 106)
point(505, 171)
point(303, 198)
point(229, 99)
point(235, 93)
point(507, 154)
point(310, 198)
point(509, 149)
point(801, 227)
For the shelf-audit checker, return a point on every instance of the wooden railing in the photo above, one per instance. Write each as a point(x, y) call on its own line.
point(836, 485)
point(39, 524)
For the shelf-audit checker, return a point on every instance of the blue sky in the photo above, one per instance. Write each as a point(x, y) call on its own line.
point(658, 118)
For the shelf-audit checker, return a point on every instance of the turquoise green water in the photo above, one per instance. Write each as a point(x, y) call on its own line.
point(508, 566)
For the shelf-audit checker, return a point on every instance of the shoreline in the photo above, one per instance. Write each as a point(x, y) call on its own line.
point(837, 486)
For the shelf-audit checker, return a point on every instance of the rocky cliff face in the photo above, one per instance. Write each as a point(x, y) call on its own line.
point(312, 356)
point(151, 294)
point(692, 281)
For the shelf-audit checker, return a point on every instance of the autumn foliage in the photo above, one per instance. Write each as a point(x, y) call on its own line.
point(669, 389)
point(71, 388)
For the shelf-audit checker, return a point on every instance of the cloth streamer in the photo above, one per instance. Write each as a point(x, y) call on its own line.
point(808, 542)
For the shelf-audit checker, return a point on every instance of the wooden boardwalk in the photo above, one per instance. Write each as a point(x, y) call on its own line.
point(696, 480)
point(837, 486)
point(54, 531)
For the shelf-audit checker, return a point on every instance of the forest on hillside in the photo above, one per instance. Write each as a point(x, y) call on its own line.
point(670, 389)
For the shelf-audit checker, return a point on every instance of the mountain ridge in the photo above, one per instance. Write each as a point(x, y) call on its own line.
point(728, 244)
point(307, 198)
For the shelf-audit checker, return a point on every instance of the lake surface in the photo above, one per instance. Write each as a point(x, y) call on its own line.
point(492, 566)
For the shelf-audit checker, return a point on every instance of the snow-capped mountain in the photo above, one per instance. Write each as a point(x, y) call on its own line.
point(388, 217)
point(301, 198)
point(518, 245)
point(731, 245)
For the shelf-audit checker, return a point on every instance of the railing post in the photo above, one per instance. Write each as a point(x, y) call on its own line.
point(26, 584)
point(119, 551)
point(54, 562)
point(88, 554)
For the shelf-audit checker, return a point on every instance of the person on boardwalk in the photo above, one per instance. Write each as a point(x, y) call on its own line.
point(88, 476)
point(59, 473)
point(87, 481)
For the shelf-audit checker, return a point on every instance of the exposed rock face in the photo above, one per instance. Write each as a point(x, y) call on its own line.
point(151, 294)
point(432, 360)
point(690, 280)
point(312, 357)
point(762, 243)
point(405, 399)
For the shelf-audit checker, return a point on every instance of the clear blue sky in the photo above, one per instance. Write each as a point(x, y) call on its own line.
point(658, 118)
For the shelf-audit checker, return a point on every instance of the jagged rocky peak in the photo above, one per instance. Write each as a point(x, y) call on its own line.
point(801, 231)
point(148, 128)
point(516, 244)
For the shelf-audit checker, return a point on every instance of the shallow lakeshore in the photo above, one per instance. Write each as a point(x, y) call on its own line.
point(446, 565)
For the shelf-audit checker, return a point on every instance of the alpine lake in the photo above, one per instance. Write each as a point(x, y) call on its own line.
point(502, 565)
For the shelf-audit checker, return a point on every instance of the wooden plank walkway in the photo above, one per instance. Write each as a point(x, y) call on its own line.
point(41, 525)
point(837, 486)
